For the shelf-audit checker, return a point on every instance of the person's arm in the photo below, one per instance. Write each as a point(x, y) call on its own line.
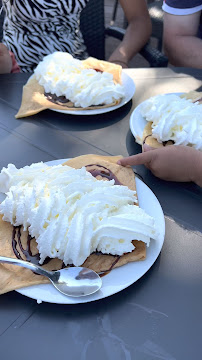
point(181, 44)
point(5, 60)
point(137, 32)
point(172, 163)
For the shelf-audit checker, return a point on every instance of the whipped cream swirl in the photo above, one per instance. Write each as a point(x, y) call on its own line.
point(72, 214)
point(60, 74)
point(174, 118)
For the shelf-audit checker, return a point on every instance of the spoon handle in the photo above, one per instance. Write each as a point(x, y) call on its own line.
point(37, 269)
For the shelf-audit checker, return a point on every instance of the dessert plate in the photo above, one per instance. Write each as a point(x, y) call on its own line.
point(129, 86)
point(138, 123)
point(120, 278)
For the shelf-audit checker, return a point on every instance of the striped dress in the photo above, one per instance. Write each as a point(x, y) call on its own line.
point(35, 28)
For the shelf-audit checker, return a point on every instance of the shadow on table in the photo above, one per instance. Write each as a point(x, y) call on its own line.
point(196, 73)
point(80, 122)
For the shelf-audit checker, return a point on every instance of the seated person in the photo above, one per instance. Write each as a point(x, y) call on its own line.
point(32, 30)
point(183, 32)
point(172, 163)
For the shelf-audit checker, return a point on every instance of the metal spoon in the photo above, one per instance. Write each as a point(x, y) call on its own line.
point(71, 281)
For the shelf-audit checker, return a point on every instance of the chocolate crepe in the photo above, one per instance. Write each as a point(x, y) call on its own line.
point(14, 242)
point(34, 99)
point(147, 137)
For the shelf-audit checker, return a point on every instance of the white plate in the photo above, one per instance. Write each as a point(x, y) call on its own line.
point(129, 86)
point(120, 278)
point(138, 123)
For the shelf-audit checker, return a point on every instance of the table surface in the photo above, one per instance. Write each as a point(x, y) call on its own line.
point(160, 315)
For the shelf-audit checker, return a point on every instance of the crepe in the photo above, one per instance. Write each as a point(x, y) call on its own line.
point(147, 137)
point(13, 277)
point(150, 140)
point(193, 95)
point(34, 100)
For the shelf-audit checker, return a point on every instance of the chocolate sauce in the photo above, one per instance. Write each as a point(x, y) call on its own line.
point(34, 259)
point(114, 263)
point(98, 70)
point(15, 242)
point(146, 138)
point(105, 172)
point(111, 267)
point(199, 100)
point(62, 100)
point(56, 99)
point(164, 143)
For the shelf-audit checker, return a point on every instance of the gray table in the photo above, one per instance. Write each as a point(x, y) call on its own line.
point(159, 316)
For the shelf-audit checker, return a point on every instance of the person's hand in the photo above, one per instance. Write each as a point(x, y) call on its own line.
point(173, 163)
point(5, 60)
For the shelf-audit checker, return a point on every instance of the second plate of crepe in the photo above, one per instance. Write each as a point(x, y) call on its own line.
point(138, 123)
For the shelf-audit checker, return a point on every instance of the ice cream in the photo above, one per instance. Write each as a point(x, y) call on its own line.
point(174, 118)
point(71, 213)
point(60, 74)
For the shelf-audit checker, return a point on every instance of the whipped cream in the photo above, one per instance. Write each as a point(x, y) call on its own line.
point(59, 73)
point(72, 214)
point(174, 118)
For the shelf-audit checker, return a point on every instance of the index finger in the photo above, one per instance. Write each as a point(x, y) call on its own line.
point(139, 159)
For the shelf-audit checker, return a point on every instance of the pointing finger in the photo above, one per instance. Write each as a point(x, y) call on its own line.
point(139, 159)
point(146, 147)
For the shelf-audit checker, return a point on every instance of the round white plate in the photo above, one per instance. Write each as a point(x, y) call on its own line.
point(119, 278)
point(129, 86)
point(138, 123)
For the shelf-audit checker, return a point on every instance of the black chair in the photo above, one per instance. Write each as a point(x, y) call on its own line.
point(156, 15)
point(92, 24)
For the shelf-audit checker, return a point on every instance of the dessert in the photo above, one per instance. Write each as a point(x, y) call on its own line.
point(64, 215)
point(173, 119)
point(62, 82)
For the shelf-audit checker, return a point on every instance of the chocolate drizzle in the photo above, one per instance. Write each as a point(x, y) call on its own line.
point(63, 101)
point(144, 141)
point(56, 99)
point(34, 259)
point(15, 242)
point(114, 263)
point(98, 70)
point(104, 172)
point(164, 143)
point(198, 100)
point(111, 267)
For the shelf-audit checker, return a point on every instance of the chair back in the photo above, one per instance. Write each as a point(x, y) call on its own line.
point(156, 15)
point(92, 25)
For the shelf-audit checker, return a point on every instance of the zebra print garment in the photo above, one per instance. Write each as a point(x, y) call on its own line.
point(35, 28)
